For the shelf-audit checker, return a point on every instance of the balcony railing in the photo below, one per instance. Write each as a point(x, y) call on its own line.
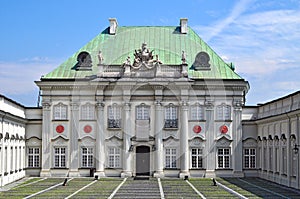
point(114, 123)
point(171, 123)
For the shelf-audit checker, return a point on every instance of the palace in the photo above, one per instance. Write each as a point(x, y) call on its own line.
point(149, 101)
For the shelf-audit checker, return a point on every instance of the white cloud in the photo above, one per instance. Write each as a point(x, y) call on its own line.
point(218, 27)
point(18, 77)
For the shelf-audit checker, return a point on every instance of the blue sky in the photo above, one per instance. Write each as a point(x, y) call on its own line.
point(261, 37)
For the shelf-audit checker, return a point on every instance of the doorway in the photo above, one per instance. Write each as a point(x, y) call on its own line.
point(142, 161)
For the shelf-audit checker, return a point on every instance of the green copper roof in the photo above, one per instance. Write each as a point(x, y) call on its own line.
point(166, 41)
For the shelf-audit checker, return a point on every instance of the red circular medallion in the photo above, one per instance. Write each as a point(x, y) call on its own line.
point(224, 129)
point(197, 129)
point(87, 129)
point(60, 129)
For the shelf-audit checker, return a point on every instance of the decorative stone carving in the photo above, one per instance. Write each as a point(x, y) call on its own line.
point(144, 57)
point(100, 57)
point(183, 57)
point(201, 61)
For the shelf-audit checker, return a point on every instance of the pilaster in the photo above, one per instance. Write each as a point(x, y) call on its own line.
point(100, 138)
point(74, 149)
point(46, 142)
point(210, 149)
point(184, 145)
point(159, 123)
point(127, 155)
point(237, 144)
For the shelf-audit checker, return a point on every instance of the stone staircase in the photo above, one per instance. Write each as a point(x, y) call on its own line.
point(139, 188)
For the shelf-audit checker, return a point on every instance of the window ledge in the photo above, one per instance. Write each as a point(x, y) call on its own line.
point(171, 168)
point(59, 168)
point(114, 129)
point(87, 120)
point(224, 169)
point(197, 120)
point(170, 129)
point(223, 120)
point(62, 120)
point(197, 169)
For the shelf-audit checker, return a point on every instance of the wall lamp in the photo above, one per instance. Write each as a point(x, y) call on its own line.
point(296, 148)
point(130, 148)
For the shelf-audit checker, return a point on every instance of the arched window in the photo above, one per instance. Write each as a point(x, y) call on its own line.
point(143, 112)
point(197, 112)
point(114, 116)
point(223, 112)
point(88, 112)
point(171, 116)
point(60, 112)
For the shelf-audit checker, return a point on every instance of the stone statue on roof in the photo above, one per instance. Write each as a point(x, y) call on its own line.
point(100, 57)
point(143, 57)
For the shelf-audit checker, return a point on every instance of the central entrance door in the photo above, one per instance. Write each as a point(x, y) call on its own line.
point(142, 161)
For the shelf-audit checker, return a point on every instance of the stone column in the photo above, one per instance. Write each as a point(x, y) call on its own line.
point(46, 142)
point(74, 149)
point(127, 155)
point(210, 150)
point(237, 144)
point(100, 141)
point(184, 143)
point(159, 124)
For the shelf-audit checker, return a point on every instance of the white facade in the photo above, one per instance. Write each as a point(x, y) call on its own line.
point(12, 141)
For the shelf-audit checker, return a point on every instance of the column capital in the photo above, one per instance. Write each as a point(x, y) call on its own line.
point(127, 106)
point(74, 106)
point(100, 105)
point(209, 104)
point(184, 105)
point(46, 106)
point(237, 105)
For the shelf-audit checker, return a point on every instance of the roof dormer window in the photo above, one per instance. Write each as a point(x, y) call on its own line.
point(84, 61)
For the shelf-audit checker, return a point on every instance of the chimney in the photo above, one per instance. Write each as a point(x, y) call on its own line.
point(112, 25)
point(183, 25)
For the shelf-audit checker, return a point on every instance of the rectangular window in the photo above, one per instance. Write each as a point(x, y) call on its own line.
point(33, 157)
point(224, 112)
point(223, 158)
point(197, 112)
point(171, 158)
point(88, 112)
point(284, 161)
point(249, 158)
point(270, 158)
point(60, 157)
point(87, 157)
point(171, 117)
point(142, 113)
point(114, 157)
point(114, 116)
point(60, 112)
point(197, 161)
point(276, 169)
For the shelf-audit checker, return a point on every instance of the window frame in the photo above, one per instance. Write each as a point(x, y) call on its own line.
point(197, 112)
point(60, 111)
point(114, 157)
point(198, 156)
point(62, 157)
point(223, 158)
point(88, 111)
point(248, 158)
point(142, 112)
point(171, 158)
point(171, 116)
point(114, 117)
point(87, 158)
point(35, 161)
point(223, 112)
